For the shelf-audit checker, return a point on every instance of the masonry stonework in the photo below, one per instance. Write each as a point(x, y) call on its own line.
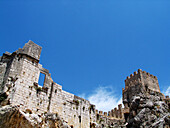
point(19, 76)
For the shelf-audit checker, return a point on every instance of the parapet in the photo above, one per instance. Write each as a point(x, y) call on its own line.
point(143, 78)
point(116, 113)
point(97, 111)
point(101, 112)
point(137, 74)
point(109, 113)
point(133, 77)
point(120, 106)
point(105, 114)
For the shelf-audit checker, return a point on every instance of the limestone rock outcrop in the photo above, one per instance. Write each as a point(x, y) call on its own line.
point(13, 117)
point(148, 112)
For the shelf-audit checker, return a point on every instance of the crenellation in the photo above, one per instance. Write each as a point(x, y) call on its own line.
point(97, 112)
point(135, 73)
point(19, 76)
point(109, 114)
point(131, 80)
point(140, 80)
point(120, 106)
point(144, 72)
point(116, 113)
point(155, 77)
point(112, 113)
point(105, 114)
point(100, 112)
point(148, 74)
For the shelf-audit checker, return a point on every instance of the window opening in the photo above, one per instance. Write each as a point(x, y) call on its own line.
point(41, 79)
point(79, 119)
point(56, 91)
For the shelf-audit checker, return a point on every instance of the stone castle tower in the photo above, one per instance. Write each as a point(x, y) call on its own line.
point(138, 82)
point(140, 87)
point(19, 76)
point(18, 64)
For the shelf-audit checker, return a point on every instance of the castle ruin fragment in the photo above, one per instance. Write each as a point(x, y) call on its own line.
point(19, 75)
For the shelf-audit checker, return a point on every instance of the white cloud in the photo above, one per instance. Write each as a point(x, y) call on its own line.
point(104, 98)
point(167, 91)
point(83, 95)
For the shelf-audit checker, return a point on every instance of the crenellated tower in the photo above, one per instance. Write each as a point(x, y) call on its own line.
point(146, 79)
point(140, 82)
point(21, 71)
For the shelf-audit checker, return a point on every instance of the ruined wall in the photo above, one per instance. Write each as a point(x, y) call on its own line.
point(19, 76)
point(73, 109)
point(113, 118)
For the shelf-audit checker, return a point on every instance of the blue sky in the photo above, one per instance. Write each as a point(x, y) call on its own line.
point(92, 44)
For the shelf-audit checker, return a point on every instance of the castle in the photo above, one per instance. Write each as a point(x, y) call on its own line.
point(19, 76)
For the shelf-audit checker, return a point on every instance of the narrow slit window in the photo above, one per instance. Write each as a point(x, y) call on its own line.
point(79, 119)
point(41, 79)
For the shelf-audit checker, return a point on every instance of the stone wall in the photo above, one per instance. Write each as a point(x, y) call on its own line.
point(19, 76)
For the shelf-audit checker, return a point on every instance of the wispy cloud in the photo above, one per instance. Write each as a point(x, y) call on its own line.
point(104, 98)
point(167, 91)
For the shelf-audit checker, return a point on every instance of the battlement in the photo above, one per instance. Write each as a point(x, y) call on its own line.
point(142, 78)
point(113, 116)
point(137, 74)
point(19, 80)
point(140, 81)
point(116, 113)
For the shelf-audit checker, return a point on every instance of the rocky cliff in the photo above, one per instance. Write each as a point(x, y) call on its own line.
point(148, 112)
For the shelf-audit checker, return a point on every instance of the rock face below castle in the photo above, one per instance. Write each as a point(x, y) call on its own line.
point(146, 106)
point(24, 103)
